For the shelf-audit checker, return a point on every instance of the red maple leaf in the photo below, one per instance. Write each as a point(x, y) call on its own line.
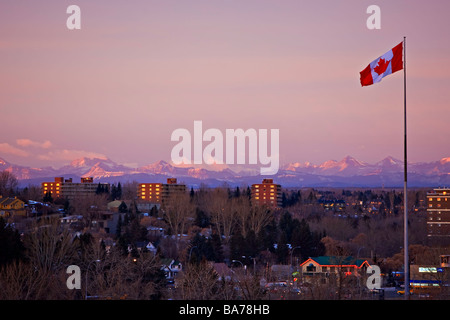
point(381, 66)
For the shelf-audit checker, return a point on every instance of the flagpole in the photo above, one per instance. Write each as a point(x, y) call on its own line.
point(405, 188)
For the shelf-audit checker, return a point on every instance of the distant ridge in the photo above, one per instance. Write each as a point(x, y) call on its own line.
point(348, 172)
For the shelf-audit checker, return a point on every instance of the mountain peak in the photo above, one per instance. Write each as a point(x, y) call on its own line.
point(3, 162)
point(389, 160)
point(353, 161)
point(87, 162)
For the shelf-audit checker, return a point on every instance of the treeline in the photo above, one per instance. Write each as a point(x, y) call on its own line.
point(34, 266)
point(225, 226)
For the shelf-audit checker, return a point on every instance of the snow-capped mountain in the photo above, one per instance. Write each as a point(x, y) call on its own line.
point(94, 167)
point(348, 166)
point(344, 173)
point(23, 173)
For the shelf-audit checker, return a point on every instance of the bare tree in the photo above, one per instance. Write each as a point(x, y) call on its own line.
point(8, 183)
point(223, 214)
point(251, 218)
point(117, 277)
point(178, 212)
point(89, 207)
point(49, 250)
point(198, 282)
point(49, 246)
point(249, 285)
point(129, 190)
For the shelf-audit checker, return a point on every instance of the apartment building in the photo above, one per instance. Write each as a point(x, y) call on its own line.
point(266, 193)
point(438, 214)
point(159, 192)
point(67, 189)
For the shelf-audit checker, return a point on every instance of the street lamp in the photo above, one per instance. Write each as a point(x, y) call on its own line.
point(254, 263)
point(87, 271)
point(239, 262)
point(292, 251)
point(190, 252)
point(357, 255)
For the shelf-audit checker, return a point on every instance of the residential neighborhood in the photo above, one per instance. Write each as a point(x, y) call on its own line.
point(307, 244)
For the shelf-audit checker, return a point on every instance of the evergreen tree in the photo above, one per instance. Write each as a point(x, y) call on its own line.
point(123, 207)
point(216, 245)
point(237, 193)
point(48, 197)
point(11, 246)
point(113, 195)
point(283, 200)
point(201, 218)
point(119, 226)
point(100, 189)
point(119, 191)
point(286, 225)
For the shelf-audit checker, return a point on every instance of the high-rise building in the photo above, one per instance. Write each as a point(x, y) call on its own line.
point(438, 214)
point(53, 188)
point(150, 192)
point(159, 192)
point(266, 193)
point(66, 188)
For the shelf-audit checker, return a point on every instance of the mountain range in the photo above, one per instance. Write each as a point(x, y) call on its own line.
point(348, 172)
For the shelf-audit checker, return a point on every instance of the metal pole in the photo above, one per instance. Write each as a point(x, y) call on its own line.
point(405, 188)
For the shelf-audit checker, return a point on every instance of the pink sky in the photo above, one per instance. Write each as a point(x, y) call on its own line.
point(137, 70)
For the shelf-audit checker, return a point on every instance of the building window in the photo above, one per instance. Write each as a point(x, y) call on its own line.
point(311, 268)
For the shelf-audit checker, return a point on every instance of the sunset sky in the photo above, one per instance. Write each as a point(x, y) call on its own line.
point(137, 70)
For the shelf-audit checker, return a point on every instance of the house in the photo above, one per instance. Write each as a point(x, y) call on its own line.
point(171, 268)
point(106, 221)
point(144, 245)
point(11, 206)
point(155, 232)
point(147, 207)
point(115, 206)
point(73, 222)
point(325, 268)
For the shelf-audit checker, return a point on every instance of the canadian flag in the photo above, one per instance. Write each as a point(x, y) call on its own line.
point(388, 63)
